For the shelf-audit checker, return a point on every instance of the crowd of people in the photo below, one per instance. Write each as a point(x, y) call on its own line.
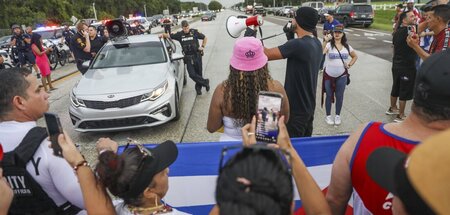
point(381, 166)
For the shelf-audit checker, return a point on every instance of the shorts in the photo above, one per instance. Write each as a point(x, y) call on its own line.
point(300, 125)
point(25, 57)
point(403, 83)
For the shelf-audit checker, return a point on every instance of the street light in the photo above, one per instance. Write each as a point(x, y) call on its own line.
point(145, 9)
point(95, 12)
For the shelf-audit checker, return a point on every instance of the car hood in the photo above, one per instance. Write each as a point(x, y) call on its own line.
point(122, 79)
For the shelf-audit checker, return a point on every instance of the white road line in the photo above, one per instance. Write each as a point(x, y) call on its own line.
point(387, 41)
point(349, 30)
point(356, 35)
point(372, 38)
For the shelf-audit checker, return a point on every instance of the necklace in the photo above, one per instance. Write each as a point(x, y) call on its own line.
point(160, 209)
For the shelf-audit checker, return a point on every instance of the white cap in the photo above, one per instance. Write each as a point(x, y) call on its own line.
point(410, 1)
point(326, 14)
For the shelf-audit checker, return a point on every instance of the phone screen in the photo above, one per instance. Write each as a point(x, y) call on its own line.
point(269, 107)
point(54, 129)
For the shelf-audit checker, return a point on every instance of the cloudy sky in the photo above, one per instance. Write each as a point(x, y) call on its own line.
point(225, 3)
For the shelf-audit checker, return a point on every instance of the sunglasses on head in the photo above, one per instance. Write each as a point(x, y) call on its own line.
point(146, 154)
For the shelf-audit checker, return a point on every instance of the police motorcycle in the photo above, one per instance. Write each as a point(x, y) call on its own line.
point(7, 61)
point(58, 55)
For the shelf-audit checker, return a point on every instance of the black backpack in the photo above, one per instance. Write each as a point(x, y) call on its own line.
point(29, 197)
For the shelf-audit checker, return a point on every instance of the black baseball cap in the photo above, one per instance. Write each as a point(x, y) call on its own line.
point(161, 157)
point(419, 179)
point(433, 82)
point(307, 18)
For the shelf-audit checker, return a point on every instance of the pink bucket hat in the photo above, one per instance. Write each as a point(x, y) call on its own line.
point(248, 54)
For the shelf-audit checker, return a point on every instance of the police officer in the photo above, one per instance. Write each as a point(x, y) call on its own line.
point(188, 39)
point(97, 42)
point(138, 28)
point(67, 35)
point(81, 45)
point(23, 44)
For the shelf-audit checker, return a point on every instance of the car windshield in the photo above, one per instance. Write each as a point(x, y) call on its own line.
point(130, 55)
point(50, 34)
point(363, 8)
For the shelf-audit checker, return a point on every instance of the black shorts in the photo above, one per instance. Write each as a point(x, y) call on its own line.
point(25, 57)
point(403, 83)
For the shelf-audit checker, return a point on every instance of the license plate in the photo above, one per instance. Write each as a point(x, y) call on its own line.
point(363, 16)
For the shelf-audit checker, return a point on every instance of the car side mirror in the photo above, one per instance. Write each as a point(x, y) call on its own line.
point(86, 64)
point(177, 56)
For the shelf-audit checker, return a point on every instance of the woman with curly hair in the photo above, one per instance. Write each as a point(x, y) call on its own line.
point(235, 100)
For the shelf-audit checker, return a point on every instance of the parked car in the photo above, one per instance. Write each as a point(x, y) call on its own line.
point(131, 83)
point(158, 18)
point(314, 4)
point(207, 17)
point(4, 41)
point(259, 10)
point(284, 11)
point(354, 14)
point(292, 11)
point(323, 11)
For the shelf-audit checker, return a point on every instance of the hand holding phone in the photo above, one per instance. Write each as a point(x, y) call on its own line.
point(269, 107)
point(54, 128)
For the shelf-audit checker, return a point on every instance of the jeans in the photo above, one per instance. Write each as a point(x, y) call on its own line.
point(341, 82)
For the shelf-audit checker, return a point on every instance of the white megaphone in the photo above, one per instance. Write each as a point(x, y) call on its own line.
point(235, 25)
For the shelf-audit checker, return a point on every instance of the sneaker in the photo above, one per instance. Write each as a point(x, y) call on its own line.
point(399, 119)
point(391, 112)
point(337, 120)
point(329, 120)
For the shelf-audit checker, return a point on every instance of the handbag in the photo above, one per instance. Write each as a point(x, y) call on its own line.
point(346, 70)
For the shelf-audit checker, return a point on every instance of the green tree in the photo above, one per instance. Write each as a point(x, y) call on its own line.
point(214, 5)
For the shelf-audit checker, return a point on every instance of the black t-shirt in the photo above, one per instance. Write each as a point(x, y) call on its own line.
point(79, 43)
point(97, 43)
point(21, 44)
point(303, 60)
point(404, 56)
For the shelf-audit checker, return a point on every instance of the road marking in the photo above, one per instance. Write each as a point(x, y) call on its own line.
point(373, 35)
point(67, 77)
point(357, 35)
point(349, 30)
point(387, 41)
point(372, 38)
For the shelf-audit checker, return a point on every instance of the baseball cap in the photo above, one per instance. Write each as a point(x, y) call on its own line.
point(307, 18)
point(410, 1)
point(159, 158)
point(338, 28)
point(248, 54)
point(15, 26)
point(184, 23)
point(326, 14)
point(432, 82)
point(419, 179)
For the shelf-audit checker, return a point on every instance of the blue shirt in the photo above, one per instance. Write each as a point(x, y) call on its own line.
point(330, 26)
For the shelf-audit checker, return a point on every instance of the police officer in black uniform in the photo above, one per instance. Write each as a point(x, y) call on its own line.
point(67, 35)
point(138, 28)
point(81, 46)
point(22, 42)
point(188, 39)
point(97, 41)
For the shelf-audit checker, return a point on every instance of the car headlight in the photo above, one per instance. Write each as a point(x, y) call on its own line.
point(75, 101)
point(156, 93)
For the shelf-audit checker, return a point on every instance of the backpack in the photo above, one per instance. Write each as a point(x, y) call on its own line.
point(29, 197)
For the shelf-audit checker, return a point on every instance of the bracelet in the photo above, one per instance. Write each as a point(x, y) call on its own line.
point(80, 164)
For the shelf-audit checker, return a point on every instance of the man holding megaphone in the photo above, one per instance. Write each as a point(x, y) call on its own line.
point(188, 39)
point(303, 60)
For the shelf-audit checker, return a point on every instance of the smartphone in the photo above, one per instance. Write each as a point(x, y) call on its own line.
point(269, 107)
point(411, 29)
point(54, 128)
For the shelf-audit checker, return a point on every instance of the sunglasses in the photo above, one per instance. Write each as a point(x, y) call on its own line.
point(146, 154)
point(230, 154)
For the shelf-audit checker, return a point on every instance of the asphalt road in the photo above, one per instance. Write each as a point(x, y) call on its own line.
point(366, 98)
point(377, 43)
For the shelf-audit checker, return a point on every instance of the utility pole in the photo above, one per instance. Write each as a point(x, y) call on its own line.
point(95, 12)
point(145, 10)
point(273, 3)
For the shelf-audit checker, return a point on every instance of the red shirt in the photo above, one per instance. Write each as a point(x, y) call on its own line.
point(438, 41)
point(369, 196)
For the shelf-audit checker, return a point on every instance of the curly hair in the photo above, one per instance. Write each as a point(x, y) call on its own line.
point(241, 90)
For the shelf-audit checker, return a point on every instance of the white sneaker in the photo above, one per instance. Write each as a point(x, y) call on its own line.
point(337, 120)
point(329, 120)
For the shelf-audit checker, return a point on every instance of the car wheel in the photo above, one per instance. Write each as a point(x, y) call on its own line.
point(177, 105)
point(366, 25)
point(53, 58)
point(63, 57)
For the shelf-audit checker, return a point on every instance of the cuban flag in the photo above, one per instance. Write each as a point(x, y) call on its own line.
point(192, 178)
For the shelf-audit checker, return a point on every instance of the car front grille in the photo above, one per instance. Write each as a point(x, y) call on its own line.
point(117, 123)
point(123, 103)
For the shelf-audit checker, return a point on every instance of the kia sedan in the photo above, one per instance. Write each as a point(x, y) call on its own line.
point(133, 82)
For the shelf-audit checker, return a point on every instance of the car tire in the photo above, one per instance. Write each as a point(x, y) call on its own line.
point(53, 58)
point(177, 105)
point(63, 58)
point(366, 25)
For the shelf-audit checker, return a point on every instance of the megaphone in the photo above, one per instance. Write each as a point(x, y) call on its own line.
point(235, 25)
point(116, 28)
